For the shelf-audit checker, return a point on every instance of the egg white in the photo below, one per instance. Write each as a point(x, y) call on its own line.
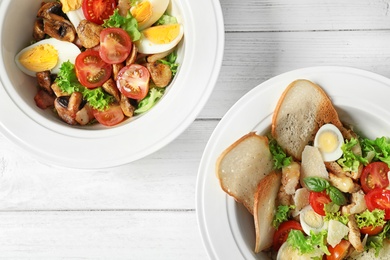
point(66, 52)
point(311, 221)
point(158, 9)
point(145, 46)
point(76, 16)
point(337, 153)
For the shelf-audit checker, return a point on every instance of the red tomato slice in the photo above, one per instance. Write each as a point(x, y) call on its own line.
point(339, 251)
point(109, 117)
point(318, 200)
point(281, 234)
point(91, 70)
point(133, 81)
point(115, 45)
point(98, 10)
point(374, 175)
point(379, 199)
point(371, 231)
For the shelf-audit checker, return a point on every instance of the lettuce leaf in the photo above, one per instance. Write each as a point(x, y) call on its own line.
point(166, 19)
point(280, 158)
point(376, 242)
point(68, 82)
point(350, 161)
point(332, 212)
point(308, 244)
point(150, 100)
point(170, 60)
point(282, 214)
point(378, 149)
point(375, 218)
point(128, 23)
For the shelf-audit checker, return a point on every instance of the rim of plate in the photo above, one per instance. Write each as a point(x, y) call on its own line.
point(217, 213)
point(109, 147)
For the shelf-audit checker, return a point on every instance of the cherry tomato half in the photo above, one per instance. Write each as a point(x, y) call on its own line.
point(97, 11)
point(318, 200)
point(133, 81)
point(371, 231)
point(115, 45)
point(374, 175)
point(281, 234)
point(91, 70)
point(339, 251)
point(379, 199)
point(109, 117)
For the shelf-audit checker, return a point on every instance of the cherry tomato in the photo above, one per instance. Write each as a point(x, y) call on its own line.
point(374, 175)
point(371, 231)
point(318, 200)
point(133, 81)
point(91, 70)
point(109, 117)
point(281, 234)
point(115, 45)
point(339, 251)
point(379, 199)
point(97, 11)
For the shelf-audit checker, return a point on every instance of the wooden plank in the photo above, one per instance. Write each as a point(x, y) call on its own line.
point(100, 235)
point(163, 180)
point(252, 58)
point(285, 15)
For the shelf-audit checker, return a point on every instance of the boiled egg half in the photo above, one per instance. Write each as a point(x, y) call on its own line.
point(287, 252)
point(311, 221)
point(47, 54)
point(147, 12)
point(329, 141)
point(161, 38)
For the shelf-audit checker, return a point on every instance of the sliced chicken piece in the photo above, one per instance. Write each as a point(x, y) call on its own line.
point(358, 204)
point(290, 177)
point(343, 182)
point(284, 198)
point(354, 234)
point(301, 200)
point(336, 168)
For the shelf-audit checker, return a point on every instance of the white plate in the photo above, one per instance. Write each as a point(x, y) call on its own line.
point(360, 97)
point(54, 142)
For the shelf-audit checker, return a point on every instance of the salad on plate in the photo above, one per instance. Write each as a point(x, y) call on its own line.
point(317, 188)
point(102, 61)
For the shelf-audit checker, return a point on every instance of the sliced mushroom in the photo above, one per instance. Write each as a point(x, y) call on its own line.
point(110, 87)
point(132, 56)
point(38, 31)
point(115, 69)
point(158, 56)
point(67, 107)
point(55, 24)
point(44, 80)
point(126, 106)
point(160, 73)
point(89, 33)
point(84, 115)
point(43, 99)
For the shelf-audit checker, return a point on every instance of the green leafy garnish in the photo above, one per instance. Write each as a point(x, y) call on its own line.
point(308, 244)
point(170, 60)
point(318, 184)
point(166, 19)
point(376, 150)
point(332, 213)
point(280, 158)
point(68, 82)
point(150, 100)
point(375, 218)
point(376, 242)
point(128, 23)
point(282, 214)
point(350, 161)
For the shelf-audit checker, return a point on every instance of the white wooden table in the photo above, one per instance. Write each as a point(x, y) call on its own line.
point(146, 209)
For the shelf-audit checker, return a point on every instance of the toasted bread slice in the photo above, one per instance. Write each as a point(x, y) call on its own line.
point(301, 110)
point(264, 210)
point(242, 165)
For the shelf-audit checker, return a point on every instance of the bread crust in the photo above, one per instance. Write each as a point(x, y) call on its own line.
point(240, 172)
point(301, 110)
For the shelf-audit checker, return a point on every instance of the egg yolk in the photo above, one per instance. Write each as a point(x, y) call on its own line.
point(39, 58)
point(70, 5)
point(142, 12)
point(162, 34)
point(328, 141)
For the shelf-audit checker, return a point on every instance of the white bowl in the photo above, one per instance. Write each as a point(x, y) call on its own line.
point(361, 99)
point(43, 134)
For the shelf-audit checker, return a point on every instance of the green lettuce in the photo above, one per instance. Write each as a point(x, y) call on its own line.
point(308, 244)
point(280, 158)
point(170, 60)
point(282, 214)
point(332, 212)
point(150, 100)
point(350, 161)
point(375, 218)
point(376, 242)
point(128, 23)
point(376, 150)
point(68, 82)
point(166, 19)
